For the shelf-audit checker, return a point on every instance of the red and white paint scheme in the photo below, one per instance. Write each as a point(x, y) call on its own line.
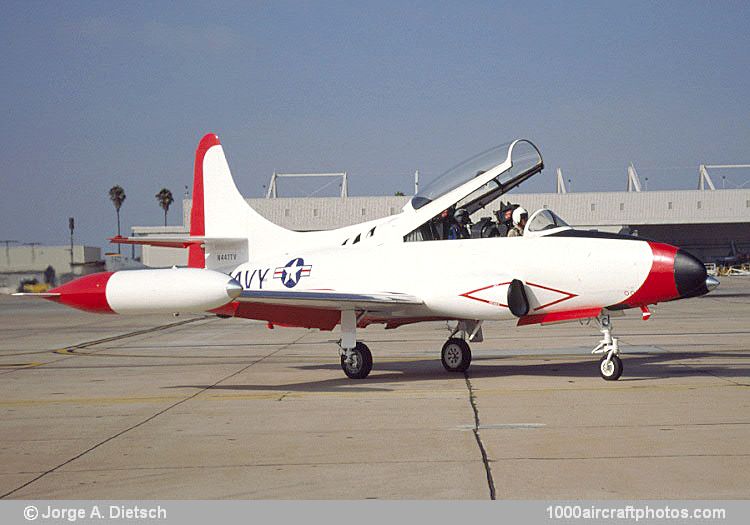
point(400, 269)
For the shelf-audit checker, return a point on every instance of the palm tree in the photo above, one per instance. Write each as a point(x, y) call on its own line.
point(117, 196)
point(165, 200)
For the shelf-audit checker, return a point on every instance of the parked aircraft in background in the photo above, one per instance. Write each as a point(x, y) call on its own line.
point(400, 269)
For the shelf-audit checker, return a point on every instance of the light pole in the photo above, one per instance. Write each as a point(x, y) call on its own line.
point(71, 226)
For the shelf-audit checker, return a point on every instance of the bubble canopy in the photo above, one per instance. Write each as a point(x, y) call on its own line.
point(543, 220)
point(525, 161)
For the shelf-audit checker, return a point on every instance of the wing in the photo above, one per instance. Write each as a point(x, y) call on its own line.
point(171, 241)
point(332, 300)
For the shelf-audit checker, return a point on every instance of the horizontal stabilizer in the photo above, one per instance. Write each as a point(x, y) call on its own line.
point(176, 241)
point(331, 300)
point(37, 294)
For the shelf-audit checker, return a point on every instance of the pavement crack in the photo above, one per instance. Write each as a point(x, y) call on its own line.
point(148, 419)
point(478, 437)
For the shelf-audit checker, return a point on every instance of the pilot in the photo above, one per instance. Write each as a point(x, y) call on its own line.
point(520, 216)
point(443, 223)
point(459, 228)
point(505, 218)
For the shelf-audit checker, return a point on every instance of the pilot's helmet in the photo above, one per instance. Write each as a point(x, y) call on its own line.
point(507, 209)
point(461, 216)
point(518, 214)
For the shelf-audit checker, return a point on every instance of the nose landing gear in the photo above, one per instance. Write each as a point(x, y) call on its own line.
point(610, 366)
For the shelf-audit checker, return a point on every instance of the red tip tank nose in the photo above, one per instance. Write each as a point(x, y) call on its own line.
point(88, 293)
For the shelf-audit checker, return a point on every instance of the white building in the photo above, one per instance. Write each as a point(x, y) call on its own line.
point(18, 263)
point(705, 222)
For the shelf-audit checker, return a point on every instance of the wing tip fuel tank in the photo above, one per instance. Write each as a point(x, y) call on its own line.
point(87, 293)
point(167, 290)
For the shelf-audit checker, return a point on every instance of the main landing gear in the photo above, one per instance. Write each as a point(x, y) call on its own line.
point(356, 358)
point(356, 362)
point(610, 365)
point(456, 353)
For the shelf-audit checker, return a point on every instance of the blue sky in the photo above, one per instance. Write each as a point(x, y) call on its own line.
point(97, 94)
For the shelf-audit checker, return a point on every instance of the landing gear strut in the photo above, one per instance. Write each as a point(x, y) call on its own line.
point(356, 358)
point(610, 366)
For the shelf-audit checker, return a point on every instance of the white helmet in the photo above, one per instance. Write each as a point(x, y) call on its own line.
point(461, 216)
point(517, 213)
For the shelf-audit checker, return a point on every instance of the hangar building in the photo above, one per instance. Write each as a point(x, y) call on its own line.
point(709, 223)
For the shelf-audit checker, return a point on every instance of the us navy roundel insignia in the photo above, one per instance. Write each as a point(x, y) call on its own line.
point(292, 272)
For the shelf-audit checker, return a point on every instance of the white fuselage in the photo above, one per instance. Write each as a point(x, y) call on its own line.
point(464, 279)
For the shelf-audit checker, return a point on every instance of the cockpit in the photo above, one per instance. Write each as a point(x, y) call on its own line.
point(446, 204)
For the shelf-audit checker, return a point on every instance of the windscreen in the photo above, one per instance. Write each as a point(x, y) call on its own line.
point(545, 220)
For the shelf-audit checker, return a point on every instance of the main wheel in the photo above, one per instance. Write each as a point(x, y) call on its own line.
point(360, 364)
point(456, 355)
point(610, 370)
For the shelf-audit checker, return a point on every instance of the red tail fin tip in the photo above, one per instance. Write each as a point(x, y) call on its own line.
point(197, 253)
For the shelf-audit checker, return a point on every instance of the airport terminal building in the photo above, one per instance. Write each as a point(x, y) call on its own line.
point(708, 223)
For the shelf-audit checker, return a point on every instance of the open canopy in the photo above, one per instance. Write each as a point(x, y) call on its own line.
point(522, 158)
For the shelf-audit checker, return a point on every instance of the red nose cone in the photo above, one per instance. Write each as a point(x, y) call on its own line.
point(660, 283)
point(87, 293)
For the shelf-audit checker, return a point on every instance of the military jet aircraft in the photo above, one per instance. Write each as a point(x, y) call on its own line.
point(400, 269)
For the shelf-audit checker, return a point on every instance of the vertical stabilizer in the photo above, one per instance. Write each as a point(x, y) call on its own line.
point(220, 211)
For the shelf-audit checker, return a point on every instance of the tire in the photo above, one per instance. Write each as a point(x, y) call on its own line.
point(361, 363)
point(613, 370)
point(456, 355)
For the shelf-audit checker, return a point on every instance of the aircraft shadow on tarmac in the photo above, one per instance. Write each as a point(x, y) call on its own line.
point(718, 295)
point(640, 367)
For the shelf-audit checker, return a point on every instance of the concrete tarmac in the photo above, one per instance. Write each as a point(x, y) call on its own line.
point(154, 407)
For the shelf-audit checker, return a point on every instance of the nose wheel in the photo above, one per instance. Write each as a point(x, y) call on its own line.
point(610, 365)
point(456, 355)
point(610, 369)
